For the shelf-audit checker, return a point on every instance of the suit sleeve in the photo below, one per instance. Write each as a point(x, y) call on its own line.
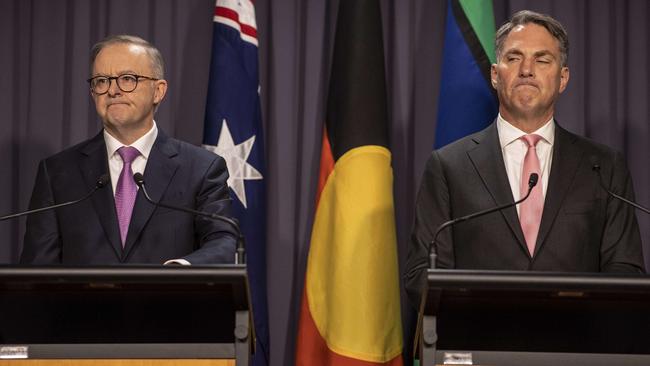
point(431, 210)
point(42, 242)
point(216, 239)
point(621, 240)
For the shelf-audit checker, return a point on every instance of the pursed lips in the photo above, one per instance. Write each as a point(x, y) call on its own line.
point(115, 103)
point(527, 83)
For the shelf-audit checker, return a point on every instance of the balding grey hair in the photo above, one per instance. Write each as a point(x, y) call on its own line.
point(522, 17)
point(157, 63)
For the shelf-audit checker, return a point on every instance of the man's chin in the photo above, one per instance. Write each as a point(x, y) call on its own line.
point(117, 117)
point(527, 103)
point(526, 96)
point(117, 121)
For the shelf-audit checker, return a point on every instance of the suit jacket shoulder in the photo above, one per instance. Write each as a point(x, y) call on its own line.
point(176, 173)
point(582, 229)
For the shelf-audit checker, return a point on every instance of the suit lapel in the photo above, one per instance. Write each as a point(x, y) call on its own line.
point(157, 175)
point(566, 157)
point(92, 167)
point(488, 162)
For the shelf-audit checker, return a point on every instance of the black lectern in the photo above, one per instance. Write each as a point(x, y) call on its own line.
point(125, 313)
point(535, 318)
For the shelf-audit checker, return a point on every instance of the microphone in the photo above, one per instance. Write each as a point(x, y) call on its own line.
point(532, 182)
point(101, 182)
point(240, 251)
point(596, 168)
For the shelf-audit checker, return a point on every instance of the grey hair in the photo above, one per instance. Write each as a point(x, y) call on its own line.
point(522, 17)
point(157, 63)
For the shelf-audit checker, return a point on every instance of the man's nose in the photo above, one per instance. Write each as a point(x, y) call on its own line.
point(526, 68)
point(113, 89)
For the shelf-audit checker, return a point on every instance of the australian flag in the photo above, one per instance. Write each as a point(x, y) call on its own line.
point(233, 129)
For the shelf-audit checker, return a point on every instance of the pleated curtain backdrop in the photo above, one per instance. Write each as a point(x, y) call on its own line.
point(45, 104)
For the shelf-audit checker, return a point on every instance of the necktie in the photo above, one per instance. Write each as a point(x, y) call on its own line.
point(126, 190)
point(530, 211)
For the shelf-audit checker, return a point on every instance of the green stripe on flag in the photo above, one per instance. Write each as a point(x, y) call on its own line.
point(481, 17)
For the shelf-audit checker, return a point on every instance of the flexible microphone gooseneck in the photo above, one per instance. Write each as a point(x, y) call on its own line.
point(101, 182)
point(596, 168)
point(532, 182)
point(240, 251)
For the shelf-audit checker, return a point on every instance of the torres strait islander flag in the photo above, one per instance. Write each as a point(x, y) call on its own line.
point(233, 129)
point(467, 102)
point(350, 311)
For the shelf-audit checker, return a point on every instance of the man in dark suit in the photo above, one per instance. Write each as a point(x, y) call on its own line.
point(568, 223)
point(117, 225)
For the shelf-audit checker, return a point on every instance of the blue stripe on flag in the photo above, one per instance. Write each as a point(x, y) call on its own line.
point(466, 103)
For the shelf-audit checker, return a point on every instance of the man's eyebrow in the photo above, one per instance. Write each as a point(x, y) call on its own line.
point(513, 51)
point(544, 53)
point(516, 51)
point(122, 72)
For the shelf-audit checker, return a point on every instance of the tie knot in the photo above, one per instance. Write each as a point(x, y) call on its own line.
point(128, 153)
point(531, 140)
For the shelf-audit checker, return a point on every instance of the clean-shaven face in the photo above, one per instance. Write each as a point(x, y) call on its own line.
point(127, 111)
point(528, 76)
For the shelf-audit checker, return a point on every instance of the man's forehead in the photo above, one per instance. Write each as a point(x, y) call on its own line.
point(123, 56)
point(123, 49)
point(518, 28)
point(531, 35)
point(527, 29)
point(136, 49)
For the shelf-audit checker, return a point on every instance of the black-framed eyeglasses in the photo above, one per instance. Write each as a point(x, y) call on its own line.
point(126, 82)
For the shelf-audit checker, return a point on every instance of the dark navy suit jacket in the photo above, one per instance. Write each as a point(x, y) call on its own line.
point(87, 233)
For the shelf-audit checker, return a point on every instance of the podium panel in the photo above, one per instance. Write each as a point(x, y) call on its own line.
point(527, 318)
point(118, 363)
point(118, 313)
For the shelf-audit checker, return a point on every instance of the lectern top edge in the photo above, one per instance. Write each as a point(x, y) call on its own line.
point(167, 274)
point(518, 280)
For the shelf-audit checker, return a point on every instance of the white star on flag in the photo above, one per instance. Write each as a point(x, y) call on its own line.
point(236, 156)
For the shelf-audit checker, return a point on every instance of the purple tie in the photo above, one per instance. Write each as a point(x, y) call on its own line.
point(126, 190)
point(530, 211)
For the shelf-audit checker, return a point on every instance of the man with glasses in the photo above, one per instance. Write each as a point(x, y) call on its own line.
point(118, 225)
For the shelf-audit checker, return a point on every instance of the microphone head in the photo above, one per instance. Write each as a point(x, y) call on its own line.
point(532, 180)
point(102, 180)
point(139, 179)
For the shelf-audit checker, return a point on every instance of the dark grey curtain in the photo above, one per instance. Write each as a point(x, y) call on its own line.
point(45, 105)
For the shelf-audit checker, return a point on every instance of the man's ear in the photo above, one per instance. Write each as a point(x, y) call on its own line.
point(564, 78)
point(159, 91)
point(493, 75)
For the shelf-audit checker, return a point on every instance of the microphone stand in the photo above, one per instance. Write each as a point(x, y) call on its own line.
point(430, 339)
point(532, 182)
point(240, 252)
point(596, 168)
point(101, 182)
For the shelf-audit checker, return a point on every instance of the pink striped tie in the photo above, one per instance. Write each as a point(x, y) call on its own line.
point(530, 211)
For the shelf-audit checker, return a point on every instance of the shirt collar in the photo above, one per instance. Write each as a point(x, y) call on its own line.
point(509, 133)
point(143, 144)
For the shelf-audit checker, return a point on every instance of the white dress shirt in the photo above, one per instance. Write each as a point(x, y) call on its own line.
point(514, 150)
point(115, 163)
